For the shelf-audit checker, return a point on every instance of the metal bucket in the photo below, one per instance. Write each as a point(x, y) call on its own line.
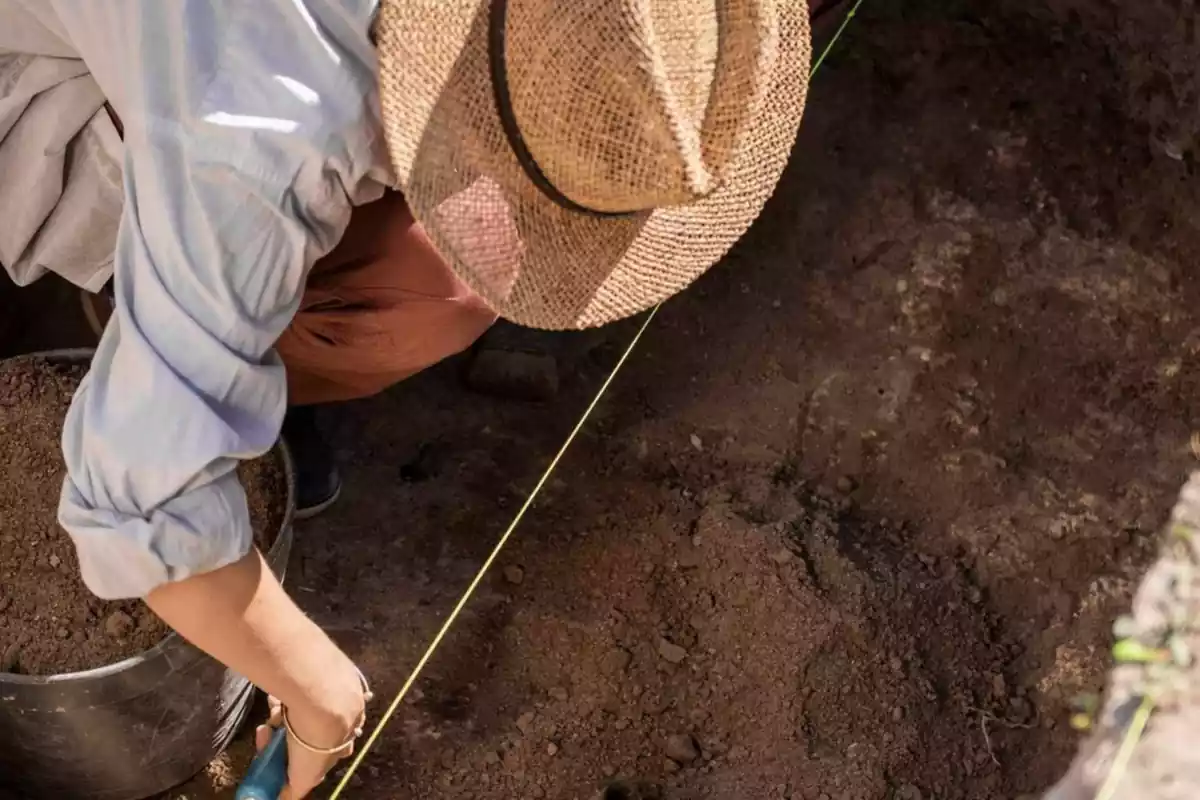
point(133, 729)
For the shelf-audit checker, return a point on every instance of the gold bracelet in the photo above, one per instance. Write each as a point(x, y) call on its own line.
point(357, 733)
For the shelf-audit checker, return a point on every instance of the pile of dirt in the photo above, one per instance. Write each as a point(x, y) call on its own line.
point(772, 643)
point(49, 622)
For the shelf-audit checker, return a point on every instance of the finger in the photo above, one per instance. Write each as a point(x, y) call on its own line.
point(304, 776)
point(290, 793)
point(262, 736)
point(297, 790)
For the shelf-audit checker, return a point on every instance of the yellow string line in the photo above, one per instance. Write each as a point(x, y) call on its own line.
point(1125, 752)
point(520, 515)
point(491, 559)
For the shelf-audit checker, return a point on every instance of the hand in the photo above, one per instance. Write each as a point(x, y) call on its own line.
point(241, 616)
point(306, 768)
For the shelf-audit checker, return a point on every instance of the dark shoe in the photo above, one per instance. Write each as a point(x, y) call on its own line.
point(514, 363)
point(318, 484)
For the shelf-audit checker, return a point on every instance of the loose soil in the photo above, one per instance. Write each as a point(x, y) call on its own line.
point(50, 623)
point(857, 518)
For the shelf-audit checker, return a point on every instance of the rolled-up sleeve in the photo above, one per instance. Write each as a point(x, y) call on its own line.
point(250, 131)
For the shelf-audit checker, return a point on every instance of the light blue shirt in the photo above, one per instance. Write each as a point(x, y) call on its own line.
point(251, 130)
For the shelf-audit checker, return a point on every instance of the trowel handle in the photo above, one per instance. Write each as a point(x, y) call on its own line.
point(268, 772)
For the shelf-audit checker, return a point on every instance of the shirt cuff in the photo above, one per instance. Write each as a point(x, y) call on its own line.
point(123, 556)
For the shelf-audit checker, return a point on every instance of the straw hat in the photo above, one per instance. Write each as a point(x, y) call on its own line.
point(578, 161)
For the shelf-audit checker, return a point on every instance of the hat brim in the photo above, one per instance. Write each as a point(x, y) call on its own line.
point(533, 262)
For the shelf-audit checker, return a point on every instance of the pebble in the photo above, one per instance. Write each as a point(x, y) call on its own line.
point(551, 749)
point(54, 561)
point(681, 748)
point(670, 652)
point(119, 624)
point(525, 722)
point(906, 791)
point(492, 758)
point(696, 442)
point(616, 661)
point(782, 556)
point(845, 484)
point(560, 694)
point(514, 575)
point(5, 602)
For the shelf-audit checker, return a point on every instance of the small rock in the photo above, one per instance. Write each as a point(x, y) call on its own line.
point(119, 624)
point(525, 722)
point(54, 561)
point(616, 661)
point(491, 758)
point(682, 748)
point(782, 556)
point(62, 633)
point(560, 694)
point(5, 602)
point(897, 714)
point(999, 685)
point(670, 766)
point(690, 558)
point(670, 652)
point(514, 575)
point(696, 442)
point(551, 749)
point(906, 791)
point(845, 484)
point(1020, 709)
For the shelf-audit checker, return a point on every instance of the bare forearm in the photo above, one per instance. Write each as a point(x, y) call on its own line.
point(241, 616)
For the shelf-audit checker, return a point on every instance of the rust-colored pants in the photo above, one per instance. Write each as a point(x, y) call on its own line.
point(379, 308)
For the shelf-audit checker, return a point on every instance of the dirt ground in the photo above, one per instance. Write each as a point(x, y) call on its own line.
point(856, 519)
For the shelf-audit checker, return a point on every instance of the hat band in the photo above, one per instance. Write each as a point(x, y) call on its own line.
point(508, 118)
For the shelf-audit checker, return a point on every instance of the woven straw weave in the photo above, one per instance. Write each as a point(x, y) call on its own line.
point(679, 116)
